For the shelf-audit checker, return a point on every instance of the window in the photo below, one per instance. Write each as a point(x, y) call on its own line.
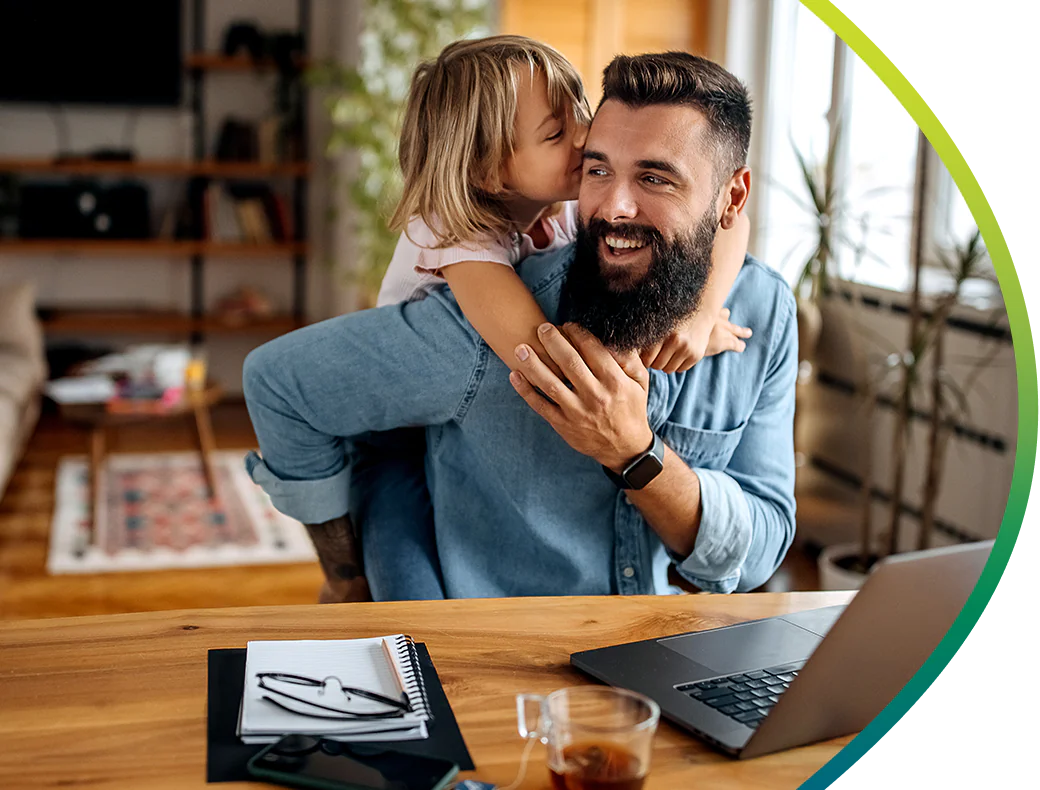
point(878, 180)
point(798, 102)
point(817, 89)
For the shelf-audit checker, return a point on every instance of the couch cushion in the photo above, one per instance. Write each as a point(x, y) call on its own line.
point(16, 423)
point(23, 369)
point(23, 366)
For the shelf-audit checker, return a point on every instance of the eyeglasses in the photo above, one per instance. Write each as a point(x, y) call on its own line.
point(346, 702)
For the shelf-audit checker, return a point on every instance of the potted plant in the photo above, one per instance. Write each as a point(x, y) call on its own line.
point(963, 262)
point(846, 566)
point(824, 202)
point(824, 207)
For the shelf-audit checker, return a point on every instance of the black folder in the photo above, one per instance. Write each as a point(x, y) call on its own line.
point(226, 755)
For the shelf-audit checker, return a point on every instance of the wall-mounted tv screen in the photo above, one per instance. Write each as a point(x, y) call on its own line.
point(122, 52)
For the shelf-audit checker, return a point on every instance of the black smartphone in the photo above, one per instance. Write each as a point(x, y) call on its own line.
point(314, 762)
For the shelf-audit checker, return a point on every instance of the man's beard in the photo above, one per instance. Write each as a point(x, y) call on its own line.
point(626, 316)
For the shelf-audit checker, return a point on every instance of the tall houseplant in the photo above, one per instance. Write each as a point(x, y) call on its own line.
point(823, 203)
point(828, 209)
point(365, 104)
point(901, 377)
point(948, 399)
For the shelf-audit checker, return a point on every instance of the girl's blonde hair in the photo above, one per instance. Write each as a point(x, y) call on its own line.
point(457, 132)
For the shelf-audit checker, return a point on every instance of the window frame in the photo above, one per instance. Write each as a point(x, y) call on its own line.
point(929, 223)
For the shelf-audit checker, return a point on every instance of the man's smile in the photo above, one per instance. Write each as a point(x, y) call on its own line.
point(616, 243)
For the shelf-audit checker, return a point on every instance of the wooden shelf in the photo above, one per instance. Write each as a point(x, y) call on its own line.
point(158, 322)
point(217, 61)
point(156, 247)
point(159, 167)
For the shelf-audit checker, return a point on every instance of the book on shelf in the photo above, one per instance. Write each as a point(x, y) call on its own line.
point(269, 132)
point(254, 216)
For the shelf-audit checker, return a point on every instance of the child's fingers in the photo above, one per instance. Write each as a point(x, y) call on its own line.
point(731, 342)
point(649, 354)
point(723, 339)
point(680, 357)
point(739, 331)
point(665, 360)
point(681, 366)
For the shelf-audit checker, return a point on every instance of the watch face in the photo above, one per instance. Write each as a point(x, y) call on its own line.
point(643, 471)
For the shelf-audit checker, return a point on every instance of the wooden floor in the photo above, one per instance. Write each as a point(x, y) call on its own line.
point(27, 591)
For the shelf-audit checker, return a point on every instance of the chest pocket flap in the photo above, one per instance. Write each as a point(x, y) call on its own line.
point(702, 448)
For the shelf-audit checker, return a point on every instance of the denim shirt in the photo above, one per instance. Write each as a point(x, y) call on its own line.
point(517, 511)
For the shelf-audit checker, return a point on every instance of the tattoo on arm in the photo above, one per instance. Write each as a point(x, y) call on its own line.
point(339, 553)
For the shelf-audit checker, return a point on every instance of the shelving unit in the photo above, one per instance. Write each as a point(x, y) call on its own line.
point(156, 247)
point(215, 61)
point(199, 63)
point(156, 322)
point(196, 323)
point(205, 168)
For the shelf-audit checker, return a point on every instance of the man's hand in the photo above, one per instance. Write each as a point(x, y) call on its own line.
point(603, 413)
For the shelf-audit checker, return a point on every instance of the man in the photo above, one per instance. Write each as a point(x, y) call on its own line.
point(592, 485)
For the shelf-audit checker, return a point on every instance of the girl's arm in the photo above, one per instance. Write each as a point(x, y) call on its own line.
point(500, 307)
point(708, 331)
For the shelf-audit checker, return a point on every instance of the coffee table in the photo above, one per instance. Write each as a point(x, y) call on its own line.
point(195, 403)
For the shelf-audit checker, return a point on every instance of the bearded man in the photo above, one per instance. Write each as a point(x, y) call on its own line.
point(596, 482)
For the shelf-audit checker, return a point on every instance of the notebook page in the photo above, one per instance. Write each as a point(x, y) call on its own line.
point(355, 662)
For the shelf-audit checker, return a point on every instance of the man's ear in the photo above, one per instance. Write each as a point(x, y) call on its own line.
point(734, 196)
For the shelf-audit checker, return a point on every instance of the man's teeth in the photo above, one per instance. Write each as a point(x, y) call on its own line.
point(623, 244)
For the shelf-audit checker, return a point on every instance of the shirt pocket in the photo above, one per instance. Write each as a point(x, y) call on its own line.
point(701, 448)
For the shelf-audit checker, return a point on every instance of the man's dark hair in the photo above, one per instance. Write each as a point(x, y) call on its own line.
point(682, 78)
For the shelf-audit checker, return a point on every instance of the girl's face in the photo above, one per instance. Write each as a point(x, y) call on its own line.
point(546, 163)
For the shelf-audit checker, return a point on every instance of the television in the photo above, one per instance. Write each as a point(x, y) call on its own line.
point(102, 52)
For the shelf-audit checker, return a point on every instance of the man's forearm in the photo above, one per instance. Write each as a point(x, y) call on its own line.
point(671, 504)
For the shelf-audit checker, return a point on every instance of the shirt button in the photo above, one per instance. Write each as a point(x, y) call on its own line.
point(629, 572)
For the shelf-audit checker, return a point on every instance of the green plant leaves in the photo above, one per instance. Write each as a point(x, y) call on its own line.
point(365, 103)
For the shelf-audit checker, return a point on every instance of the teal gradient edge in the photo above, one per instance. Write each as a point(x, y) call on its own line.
point(969, 75)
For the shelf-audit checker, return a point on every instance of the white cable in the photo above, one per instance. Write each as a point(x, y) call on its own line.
point(523, 765)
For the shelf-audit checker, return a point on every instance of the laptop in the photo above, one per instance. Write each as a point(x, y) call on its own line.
point(759, 687)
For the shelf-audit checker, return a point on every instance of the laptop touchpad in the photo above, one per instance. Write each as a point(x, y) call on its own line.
point(742, 648)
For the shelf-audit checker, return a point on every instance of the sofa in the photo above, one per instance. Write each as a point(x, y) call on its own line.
point(23, 371)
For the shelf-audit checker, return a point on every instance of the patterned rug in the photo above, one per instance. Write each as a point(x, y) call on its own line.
point(153, 513)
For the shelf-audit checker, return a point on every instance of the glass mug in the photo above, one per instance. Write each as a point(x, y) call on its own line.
point(598, 738)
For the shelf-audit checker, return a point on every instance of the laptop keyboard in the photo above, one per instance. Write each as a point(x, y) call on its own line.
point(747, 697)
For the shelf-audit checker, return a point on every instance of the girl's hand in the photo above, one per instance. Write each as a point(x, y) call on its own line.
point(726, 336)
point(693, 341)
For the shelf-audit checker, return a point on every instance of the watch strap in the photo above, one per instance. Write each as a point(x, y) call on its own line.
point(624, 481)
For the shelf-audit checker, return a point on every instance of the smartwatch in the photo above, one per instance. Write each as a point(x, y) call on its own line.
point(642, 469)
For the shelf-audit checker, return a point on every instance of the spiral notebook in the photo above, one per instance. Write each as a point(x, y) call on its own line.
point(384, 665)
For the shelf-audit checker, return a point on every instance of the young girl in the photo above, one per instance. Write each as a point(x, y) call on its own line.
point(491, 154)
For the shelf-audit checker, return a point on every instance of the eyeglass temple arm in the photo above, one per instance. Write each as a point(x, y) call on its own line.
point(403, 703)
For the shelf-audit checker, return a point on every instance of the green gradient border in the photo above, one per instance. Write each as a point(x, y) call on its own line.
point(968, 72)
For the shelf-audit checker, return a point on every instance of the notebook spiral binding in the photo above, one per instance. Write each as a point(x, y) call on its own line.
point(413, 678)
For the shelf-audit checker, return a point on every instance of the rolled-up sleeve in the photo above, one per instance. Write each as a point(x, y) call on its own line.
point(748, 509)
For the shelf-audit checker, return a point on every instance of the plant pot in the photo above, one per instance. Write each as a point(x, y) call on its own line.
point(833, 576)
point(810, 325)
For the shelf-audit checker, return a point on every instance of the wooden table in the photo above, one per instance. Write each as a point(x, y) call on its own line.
point(119, 701)
point(99, 419)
